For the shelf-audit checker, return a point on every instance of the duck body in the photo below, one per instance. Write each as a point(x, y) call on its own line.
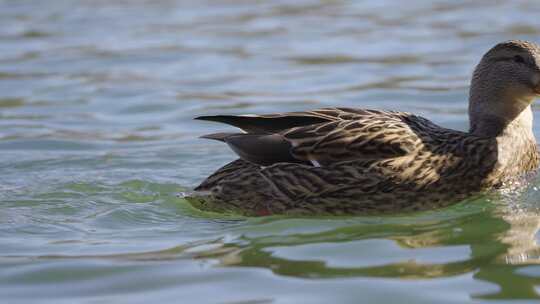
point(348, 161)
point(354, 161)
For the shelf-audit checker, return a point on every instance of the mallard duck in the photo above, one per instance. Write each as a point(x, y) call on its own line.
point(355, 161)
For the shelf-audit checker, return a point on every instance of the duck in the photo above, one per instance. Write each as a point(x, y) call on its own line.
point(345, 161)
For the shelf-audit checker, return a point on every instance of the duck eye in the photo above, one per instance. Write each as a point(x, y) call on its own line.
point(519, 59)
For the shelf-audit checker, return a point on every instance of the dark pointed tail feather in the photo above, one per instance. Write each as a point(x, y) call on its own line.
point(264, 124)
point(260, 149)
point(218, 136)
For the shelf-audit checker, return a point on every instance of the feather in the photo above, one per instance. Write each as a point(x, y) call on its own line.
point(264, 124)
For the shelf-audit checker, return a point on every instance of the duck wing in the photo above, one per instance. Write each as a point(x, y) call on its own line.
point(273, 123)
point(321, 137)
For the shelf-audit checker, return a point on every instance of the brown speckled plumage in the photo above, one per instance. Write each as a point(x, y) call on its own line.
point(351, 161)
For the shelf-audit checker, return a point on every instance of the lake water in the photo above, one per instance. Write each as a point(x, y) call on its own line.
point(97, 139)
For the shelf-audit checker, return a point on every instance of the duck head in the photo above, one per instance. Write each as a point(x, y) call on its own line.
point(504, 84)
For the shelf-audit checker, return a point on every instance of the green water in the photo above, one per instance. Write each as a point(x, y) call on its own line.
point(97, 140)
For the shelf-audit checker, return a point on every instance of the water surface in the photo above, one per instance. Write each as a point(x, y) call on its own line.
point(96, 140)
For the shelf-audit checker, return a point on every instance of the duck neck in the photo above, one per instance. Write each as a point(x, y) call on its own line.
point(517, 152)
point(488, 125)
point(496, 110)
point(510, 127)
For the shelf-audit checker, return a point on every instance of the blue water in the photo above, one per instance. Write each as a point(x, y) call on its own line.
point(97, 139)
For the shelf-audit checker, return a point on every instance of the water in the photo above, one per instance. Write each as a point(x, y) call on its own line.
point(96, 140)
